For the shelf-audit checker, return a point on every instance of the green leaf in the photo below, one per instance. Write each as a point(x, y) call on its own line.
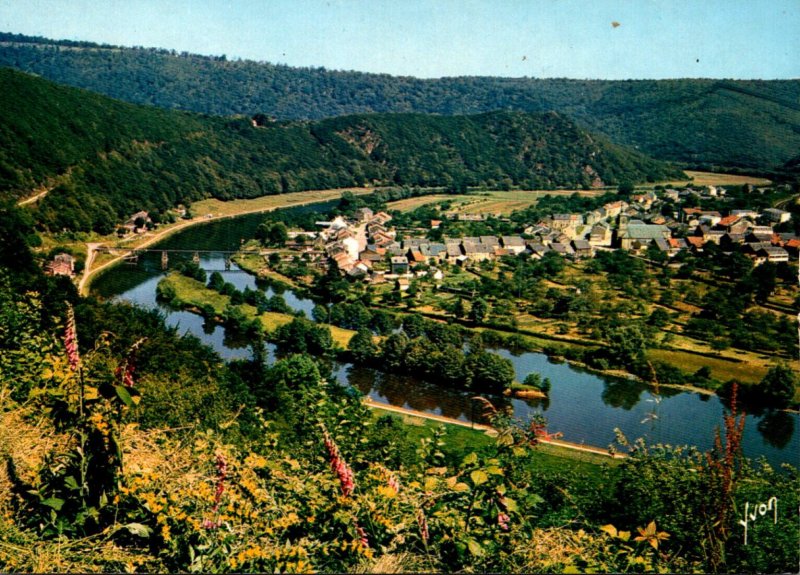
point(610, 529)
point(494, 470)
point(70, 482)
point(122, 393)
point(139, 530)
point(511, 505)
point(460, 487)
point(471, 459)
point(534, 500)
point(54, 502)
point(478, 477)
point(474, 547)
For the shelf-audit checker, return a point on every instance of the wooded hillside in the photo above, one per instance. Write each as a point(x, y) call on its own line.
point(703, 122)
point(105, 159)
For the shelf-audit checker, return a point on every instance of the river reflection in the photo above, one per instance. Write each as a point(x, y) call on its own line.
point(585, 407)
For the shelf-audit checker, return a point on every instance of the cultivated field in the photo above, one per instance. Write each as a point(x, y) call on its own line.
point(411, 204)
point(711, 179)
point(218, 208)
point(499, 203)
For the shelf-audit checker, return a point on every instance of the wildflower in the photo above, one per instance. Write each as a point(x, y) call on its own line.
point(71, 340)
point(502, 521)
point(390, 478)
point(222, 473)
point(338, 465)
point(125, 371)
point(423, 525)
point(362, 535)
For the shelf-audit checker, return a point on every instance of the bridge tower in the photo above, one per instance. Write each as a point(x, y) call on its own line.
point(196, 258)
point(228, 264)
point(164, 260)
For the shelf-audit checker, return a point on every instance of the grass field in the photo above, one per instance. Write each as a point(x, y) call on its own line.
point(494, 202)
point(411, 204)
point(460, 440)
point(713, 179)
point(218, 208)
point(503, 203)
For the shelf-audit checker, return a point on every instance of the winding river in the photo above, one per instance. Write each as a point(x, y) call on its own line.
point(583, 406)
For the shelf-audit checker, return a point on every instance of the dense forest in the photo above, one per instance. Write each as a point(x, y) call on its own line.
point(104, 159)
point(752, 124)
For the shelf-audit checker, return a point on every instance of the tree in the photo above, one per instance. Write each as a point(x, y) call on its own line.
point(414, 325)
point(272, 234)
point(216, 281)
point(534, 379)
point(777, 387)
point(382, 322)
point(659, 318)
point(626, 344)
point(361, 347)
point(479, 310)
point(320, 313)
point(393, 350)
point(625, 188)
point(458, 309)
point(489, 372)
point(767, 281)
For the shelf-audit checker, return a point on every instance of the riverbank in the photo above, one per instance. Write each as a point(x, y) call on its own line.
point(208, 211)
point(489, 430)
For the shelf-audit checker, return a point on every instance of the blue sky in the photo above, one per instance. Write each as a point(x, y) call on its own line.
point(611, 39)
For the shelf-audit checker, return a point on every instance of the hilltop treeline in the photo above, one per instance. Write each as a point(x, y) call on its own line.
point(106, 159)
point(748, 124)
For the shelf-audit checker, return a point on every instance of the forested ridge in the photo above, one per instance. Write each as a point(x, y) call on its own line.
point(749, 124)
point(105, 159)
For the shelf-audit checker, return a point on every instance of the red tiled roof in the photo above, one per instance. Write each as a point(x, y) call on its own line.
point(793, 243)
point(728, 220)
point(695, 241)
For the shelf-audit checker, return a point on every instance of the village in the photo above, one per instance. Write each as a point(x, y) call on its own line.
point(367, 246)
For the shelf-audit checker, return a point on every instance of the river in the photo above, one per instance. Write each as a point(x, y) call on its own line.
point(583, 406)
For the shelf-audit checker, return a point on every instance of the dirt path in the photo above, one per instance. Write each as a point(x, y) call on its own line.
point(32, 199)
point(485, 428)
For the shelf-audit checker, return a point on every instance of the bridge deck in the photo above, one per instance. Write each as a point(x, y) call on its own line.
point(177, 251)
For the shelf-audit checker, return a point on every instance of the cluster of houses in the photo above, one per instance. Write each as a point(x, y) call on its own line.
point(360, 248)
point(351, 246)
